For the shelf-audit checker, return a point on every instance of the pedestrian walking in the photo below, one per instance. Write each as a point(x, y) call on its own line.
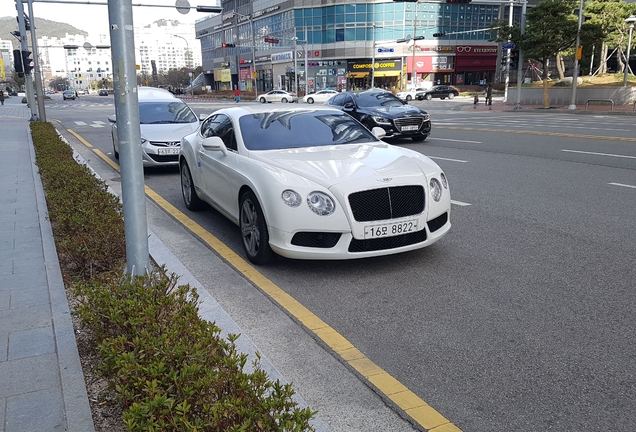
point(2, 96)
point(489, 96)
point(237, 95)
point(475, 101)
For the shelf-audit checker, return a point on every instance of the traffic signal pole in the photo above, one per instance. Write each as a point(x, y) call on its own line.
point(36, 66)
point(28, 82)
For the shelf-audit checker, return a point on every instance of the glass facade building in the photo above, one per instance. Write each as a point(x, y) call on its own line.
point(350, 46)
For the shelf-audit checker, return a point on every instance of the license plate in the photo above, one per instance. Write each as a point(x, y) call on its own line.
point(168, 151)
point(390, 229)
point(410, 128)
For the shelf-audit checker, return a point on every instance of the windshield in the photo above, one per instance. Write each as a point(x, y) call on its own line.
point(296, 129)
point(374, 99)
point(165, 113)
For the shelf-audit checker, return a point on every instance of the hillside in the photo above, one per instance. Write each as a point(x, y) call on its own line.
point(44, 27)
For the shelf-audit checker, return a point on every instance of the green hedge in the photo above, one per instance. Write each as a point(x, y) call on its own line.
point(170, 369)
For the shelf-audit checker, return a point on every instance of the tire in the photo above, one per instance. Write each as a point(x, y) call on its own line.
point(254, 234)
point(262, 100)
point(408, 98)
point(443, 97)
point(310, 100)
point(451, 95)
point(428, 97)
point(284, 100)
point(188, 192)
point(115, 152)
point(418, 138)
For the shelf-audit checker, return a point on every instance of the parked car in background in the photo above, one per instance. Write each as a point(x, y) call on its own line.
point(312, 183)
point(103, 92)
point(439, 91)
point(164, 120)
point(68, 94)
point(320, 96)
point(277, 96)
point(381, 108)
point(410, 94)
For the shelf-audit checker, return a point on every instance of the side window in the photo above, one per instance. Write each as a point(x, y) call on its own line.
point(220, 125)
point(348, 99)
point(338, 100)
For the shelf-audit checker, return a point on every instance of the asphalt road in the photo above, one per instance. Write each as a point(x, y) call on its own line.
point(521, 319)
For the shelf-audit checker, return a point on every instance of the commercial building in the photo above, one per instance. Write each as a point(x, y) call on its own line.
point(337, 45)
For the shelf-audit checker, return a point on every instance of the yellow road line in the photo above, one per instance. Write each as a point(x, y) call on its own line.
point(422, 413)
point(525, 132)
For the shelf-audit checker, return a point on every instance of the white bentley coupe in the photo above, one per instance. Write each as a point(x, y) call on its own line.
point(313, 183)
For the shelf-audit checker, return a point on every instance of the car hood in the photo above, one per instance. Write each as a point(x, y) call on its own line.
point(167, 132)
point(333, 165)
point(393, 111)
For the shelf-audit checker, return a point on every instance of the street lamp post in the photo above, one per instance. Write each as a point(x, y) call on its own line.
point(575, 75)
point(253, 68)
point(630, 20)
point(188, 63)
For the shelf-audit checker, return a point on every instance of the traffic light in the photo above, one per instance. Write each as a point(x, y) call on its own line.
point(271, 40)
point(27, 62)
point(514, 58)
point(17, 63)
point(439, 34)
point(228, 45)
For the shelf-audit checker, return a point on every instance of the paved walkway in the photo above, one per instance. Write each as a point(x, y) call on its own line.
point(41, 381)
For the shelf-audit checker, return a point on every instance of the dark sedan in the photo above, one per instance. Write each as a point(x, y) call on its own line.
point(103, 92)
point(440, 91)
point(382, 109)
point(68, 94)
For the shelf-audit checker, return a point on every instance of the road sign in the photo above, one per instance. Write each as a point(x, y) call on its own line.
point(508, 46)
point(385, 50)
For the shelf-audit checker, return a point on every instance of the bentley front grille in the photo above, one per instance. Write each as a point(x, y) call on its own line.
point(387, 203)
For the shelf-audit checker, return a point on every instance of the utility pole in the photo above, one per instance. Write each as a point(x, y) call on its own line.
point(28, 82)
point(520, 60)
point(36, 65)
point(575, 76)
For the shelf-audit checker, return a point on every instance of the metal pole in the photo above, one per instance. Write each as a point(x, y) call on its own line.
point(36, 65)
point(508, 52)
point(306, 58)
point(373, 59)
point(253, 57)
point(127, 113)
point(28, 82)
point(629, 48)
point(413, 70)
point(520, 60)
point(575, 74)
point(295, 65)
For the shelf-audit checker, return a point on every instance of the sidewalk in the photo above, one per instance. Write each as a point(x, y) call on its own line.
point(499, 106)
point(41, 381)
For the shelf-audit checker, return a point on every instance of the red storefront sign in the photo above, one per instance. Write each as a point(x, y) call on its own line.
point(245, 73)
point(477, 58)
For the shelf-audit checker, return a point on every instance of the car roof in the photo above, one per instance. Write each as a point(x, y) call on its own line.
point(256, 109)
point(154, 94)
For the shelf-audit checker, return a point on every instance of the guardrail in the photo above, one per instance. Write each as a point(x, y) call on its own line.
point(587, 102)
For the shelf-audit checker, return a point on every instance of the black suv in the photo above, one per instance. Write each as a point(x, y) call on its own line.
point(382, 109)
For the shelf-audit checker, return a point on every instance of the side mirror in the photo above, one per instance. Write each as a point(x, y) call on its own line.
point(349, 105)
point(214, 143)
point(203, 116)
point(112, 119)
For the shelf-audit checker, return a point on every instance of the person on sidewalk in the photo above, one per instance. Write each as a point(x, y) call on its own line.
point(237, 94)
point(489, 96)
point(2, 96)
point(475, 101)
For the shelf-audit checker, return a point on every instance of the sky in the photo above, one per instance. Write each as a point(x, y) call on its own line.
point(93, 18)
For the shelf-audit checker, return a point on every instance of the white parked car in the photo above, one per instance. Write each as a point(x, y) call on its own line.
point(277, 96)
point(320, 96)
point(313, 183)
point(163, 120)
point(410, 94)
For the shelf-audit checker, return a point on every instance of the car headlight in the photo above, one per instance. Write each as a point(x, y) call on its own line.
point(381, 120)
point(436, 189)
point(291, 198)
point(321, 203)
point(143, 140)
point(426, 117)
point(444, 181)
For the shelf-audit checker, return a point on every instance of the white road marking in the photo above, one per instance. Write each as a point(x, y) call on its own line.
point(446, 159)
point(456, 140)
point(620, 184)
point(599, 154)
point(80, 123)
point(459, 203)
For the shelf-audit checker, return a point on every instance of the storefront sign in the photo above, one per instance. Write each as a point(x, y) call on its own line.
point(445, 48)
point(475, 50)
point(289, 55)
point(382, 65)
point(226, 76)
